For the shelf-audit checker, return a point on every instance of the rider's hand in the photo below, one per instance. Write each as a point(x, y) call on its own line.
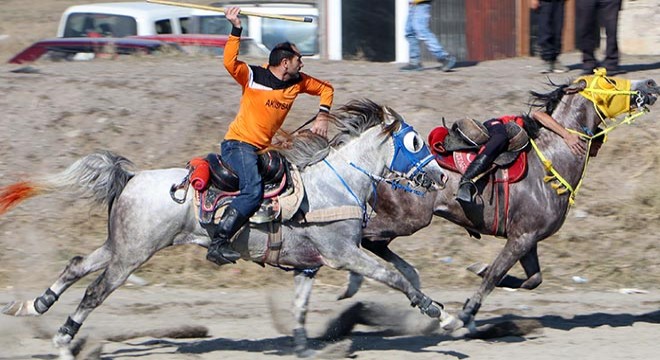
point(576, 144)
point(231, 13)
point(320, 126)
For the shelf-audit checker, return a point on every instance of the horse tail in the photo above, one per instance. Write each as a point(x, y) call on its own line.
point(100, 176)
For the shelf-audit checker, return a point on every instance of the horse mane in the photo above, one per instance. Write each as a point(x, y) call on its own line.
point(355, 117)
point(547, 101)
point(304, 148)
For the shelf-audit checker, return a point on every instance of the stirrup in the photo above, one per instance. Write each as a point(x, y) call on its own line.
point(467, 192)
point(222, 255)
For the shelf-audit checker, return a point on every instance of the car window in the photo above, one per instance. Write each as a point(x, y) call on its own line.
point(217, 24)
point(164, 26)
point(90, 24)
point(304, 35)
point(185, 23)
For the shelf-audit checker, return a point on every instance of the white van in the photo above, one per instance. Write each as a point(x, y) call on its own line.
point(123, 19)
point(265, 31)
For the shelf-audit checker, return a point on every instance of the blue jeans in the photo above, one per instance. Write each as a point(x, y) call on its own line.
point(417, 29)
point(242, 158)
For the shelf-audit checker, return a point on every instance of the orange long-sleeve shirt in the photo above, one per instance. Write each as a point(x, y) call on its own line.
point(266, 100)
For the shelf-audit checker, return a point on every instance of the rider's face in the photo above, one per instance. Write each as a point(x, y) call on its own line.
point(295, 63)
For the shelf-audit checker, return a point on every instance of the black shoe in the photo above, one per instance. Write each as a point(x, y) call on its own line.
point(466, 192)
point(548, 67)
point(220, 252)
point(448, 62)
point(412, 67)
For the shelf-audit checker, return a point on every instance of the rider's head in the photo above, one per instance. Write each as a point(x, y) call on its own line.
point(287, 56)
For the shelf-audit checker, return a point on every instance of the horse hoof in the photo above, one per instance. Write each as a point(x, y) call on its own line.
point(478, 268)
point(305, 353)
point(20, 308)
point(450, 322)
point(433, 311)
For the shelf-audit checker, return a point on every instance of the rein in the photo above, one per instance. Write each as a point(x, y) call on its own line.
point(560, 185)
point(363, 206)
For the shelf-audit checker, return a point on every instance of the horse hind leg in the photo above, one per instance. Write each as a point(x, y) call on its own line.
point(77, 268)
point(112, 277)
point(530, 264)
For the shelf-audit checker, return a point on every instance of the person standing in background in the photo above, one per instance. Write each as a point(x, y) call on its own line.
point(550, 26)
point(417, 29)
point(588, 14)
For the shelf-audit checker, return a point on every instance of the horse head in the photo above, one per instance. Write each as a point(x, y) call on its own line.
point(410, 158)
point(601, 100)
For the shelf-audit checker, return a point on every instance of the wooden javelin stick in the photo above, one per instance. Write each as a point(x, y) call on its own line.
point(219, 9)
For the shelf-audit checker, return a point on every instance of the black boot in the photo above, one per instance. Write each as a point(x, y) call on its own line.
point(220, 251)
point(467, 189)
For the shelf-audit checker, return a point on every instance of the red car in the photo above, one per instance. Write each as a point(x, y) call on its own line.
point(70, 48)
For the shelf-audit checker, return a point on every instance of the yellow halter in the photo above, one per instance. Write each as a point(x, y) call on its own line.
point(605, 93)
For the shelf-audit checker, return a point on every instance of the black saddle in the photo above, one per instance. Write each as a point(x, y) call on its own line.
point(272, 167)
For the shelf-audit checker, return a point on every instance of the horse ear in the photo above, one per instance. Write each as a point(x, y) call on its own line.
point(575, 87)
point(391, 116)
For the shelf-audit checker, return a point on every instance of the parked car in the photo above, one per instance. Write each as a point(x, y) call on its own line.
point(87, 48)
point(123, 19)
point(265, 31)
point(72, 48)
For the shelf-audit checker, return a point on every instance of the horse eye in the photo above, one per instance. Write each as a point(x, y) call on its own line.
point(412, 142)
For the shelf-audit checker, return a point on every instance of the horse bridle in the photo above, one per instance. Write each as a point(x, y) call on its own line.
point(589, 93)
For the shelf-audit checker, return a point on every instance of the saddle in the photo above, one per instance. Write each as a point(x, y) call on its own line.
point(456, 147)
point(216, 185)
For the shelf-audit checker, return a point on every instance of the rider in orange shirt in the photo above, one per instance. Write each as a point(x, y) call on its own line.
point(268, 95)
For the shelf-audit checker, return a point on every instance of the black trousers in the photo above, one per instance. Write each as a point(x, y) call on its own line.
point(550, 25)
point(588, 14)
point(498, 141)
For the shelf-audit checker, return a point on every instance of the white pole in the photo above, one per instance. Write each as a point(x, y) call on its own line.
point(401, 44)
point(334, 34)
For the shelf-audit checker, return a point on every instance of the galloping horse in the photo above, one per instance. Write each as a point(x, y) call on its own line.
point(537, 205)
point(143, 219)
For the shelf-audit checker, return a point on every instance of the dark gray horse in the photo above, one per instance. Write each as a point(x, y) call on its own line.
point(143, 219)
point(536, 209)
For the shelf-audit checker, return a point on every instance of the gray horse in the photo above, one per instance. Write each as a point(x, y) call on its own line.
point(143, 219)
point(536, 208)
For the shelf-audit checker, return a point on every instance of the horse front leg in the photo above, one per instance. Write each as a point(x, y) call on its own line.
point(355, 260)
point(381, 249)
point(77, 268)
point(531, 266)
point(303, 281)
point(513, 250)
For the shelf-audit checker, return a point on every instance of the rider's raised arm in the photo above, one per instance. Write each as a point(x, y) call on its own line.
point(236, 68)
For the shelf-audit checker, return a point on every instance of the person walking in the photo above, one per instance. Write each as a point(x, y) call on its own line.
point(550, 26)
point(589, 13)
point(268, 95)
point(417, 29)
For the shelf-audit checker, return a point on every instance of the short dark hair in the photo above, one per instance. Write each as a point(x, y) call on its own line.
point(282, 51)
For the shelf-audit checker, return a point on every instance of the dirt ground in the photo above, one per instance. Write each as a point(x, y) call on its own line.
point(600, 297)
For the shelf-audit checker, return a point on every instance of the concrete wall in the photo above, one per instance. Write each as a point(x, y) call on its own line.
point(639, 27)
